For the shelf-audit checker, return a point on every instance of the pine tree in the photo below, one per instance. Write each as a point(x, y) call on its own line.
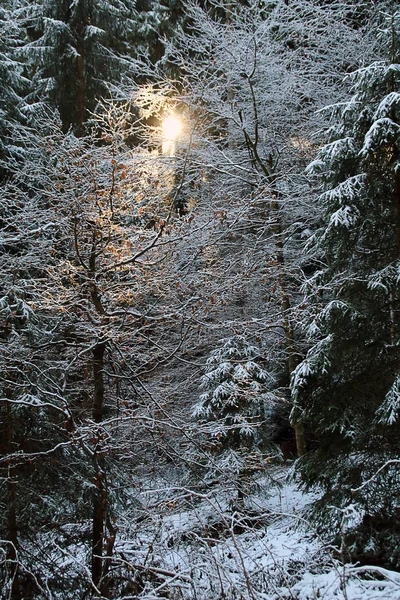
point(232, 410)
point(78, 50)
point(14, 85)
point(347, 389)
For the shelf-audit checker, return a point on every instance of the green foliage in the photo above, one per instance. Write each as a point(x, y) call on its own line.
point(36, 456)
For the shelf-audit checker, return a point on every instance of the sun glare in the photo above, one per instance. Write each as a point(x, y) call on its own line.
point(171, 127)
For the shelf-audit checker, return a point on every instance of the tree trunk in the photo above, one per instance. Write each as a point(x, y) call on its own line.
point(81, 83)
point(98, 533)
point(98, 376)
point(268, 169)
point(301, 447)
point(12, 527)
point(394, 295)
point(100, 497)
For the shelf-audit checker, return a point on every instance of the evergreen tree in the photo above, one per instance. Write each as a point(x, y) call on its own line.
point(14, 84)
point(232, 410)
point(348, 388)
point(79, 49)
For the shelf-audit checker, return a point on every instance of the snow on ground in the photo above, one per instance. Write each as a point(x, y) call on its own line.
point(202, 547)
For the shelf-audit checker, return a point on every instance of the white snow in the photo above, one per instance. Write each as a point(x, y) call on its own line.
point(200, 546)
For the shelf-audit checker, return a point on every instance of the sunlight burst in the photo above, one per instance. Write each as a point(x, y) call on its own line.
point(171, 127)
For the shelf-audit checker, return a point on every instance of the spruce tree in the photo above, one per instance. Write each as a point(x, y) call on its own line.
point(78, 50)
point(232, 411)
point(347, 390)
point(14, 85)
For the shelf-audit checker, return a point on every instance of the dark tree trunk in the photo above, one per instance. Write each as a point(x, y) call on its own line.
point(98, 376)
point(100, 497)
point(301, 447)
point(12, 513)
point(81, 81)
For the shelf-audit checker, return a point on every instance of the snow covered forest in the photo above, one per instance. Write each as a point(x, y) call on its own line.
point(199, 299)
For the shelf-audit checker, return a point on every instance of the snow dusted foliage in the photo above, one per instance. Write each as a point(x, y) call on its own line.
point(202, 550)
point(347, 388)
point(119, 267)
point(100, 285)
point(233, 408)
point(251, 79)
point(35, 456)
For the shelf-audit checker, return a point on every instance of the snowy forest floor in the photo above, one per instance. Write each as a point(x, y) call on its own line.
point(205, 547)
